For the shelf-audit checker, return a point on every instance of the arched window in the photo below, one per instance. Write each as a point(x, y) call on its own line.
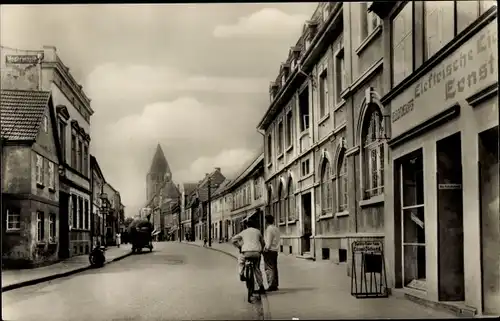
point(290, 201)
point(281, 204)
point(373, 152)
point(326, 188)
point(342, 195)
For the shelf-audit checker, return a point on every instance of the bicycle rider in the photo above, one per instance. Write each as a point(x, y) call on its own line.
point(250, 242)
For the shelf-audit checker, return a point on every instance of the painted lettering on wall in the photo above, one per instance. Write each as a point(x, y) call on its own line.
point(464, 72)
point(22, 59)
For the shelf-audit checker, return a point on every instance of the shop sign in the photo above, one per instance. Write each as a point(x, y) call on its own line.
point(450, 186)
point(367, 247)
point(22, 59)
point(466, 71)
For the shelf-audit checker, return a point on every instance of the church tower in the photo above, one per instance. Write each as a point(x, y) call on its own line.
point(157, 173)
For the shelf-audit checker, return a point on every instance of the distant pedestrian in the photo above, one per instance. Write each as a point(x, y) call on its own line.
point(272, 239)
point(118, 239)
point(205, 242)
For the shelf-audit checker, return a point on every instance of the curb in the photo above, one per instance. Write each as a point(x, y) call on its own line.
point(57, 275)
point(264, 305)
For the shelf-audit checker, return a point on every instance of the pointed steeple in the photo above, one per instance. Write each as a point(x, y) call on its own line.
point(159, 165)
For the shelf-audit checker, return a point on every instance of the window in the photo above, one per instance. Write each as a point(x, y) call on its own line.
point(304, 109)
point(342, 195)
point(52, 228)
point(40, 224)
point(280, 138)
point(45, 124)
point(39, 169)
point(369, 21)
point(80, 156)
point(52, 176)
point(269, 149)
point(281, 204)
point(74, 203)
point(323, 93)
point(73, 150)
point(402, 44)
point(340, 75)
point(85, 160)
point(291, 201)
point(326, 188)
point(438, 25)
point(289, 129)
point(373, 150)
point(13, 219)
point(62, 139)
point(305, 168)
point(87, 216)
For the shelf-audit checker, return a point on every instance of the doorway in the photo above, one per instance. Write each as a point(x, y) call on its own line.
point(63, 226)
point(411, 173)
point(490, 223)
point(307, 222)
point(451, 283)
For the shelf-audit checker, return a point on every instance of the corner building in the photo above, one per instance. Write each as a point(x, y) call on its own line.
point(442, 192)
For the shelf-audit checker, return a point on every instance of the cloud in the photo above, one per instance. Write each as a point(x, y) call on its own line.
point(156, 80)
point(230, 161)
point(267, 22)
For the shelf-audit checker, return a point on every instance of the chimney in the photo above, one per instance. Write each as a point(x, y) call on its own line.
point(217, 169)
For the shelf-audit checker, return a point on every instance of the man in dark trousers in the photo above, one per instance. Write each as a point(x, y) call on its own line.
point(272, 240)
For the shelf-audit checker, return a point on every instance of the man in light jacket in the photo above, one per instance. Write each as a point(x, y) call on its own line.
point(272, 240)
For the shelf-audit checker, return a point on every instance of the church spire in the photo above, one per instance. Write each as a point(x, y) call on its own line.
point(159, 164)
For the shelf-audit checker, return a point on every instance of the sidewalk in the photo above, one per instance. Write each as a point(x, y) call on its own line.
point(13, 279)
point(321, 290)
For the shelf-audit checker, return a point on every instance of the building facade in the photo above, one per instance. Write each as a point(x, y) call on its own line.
point(44, 70)
point(442, 212)
point(98, 223)
point(221, 209)
point(186, 190)
point(30, 182)
point(247, 195)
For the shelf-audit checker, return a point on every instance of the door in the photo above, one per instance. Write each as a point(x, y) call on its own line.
point(490, 222)
point(63, 226)
point(307, 222)
point(413, 221)
point(451, 283)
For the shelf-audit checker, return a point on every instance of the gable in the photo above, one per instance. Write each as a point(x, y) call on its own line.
point(48, 136)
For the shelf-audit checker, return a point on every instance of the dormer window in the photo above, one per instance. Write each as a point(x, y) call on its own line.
point(308, 44)
point(293, 64)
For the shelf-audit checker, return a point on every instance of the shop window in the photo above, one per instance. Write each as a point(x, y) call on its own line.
point(373, 152)
point(342, 194)
point(438, 25)
point(413, 221)
point(402, 44)
point(304, 109)
point(326, 188)
point(40, 225)
point(281, 204)
point(291, 201)
point(52, 227)
point(13, 219)
point(323, 93)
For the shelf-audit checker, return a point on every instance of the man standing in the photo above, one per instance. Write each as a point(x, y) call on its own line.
point(272, 239)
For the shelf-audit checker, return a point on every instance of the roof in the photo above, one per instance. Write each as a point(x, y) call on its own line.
point(159, 163)
point(170, 190)
point(95, 165)
point(249, 168)
point(216, 177)
point(22, 112)
point(189, 188)
point(222, 187)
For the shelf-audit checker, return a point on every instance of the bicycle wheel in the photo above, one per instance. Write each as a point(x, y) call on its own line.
point(249, 281)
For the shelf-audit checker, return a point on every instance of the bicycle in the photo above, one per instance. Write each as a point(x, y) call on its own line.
point(249, 278)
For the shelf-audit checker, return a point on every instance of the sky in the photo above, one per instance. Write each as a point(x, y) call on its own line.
point(192, 77)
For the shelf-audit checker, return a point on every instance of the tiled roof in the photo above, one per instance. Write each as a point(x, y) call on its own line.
point(189, 188)
point(22, 112)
